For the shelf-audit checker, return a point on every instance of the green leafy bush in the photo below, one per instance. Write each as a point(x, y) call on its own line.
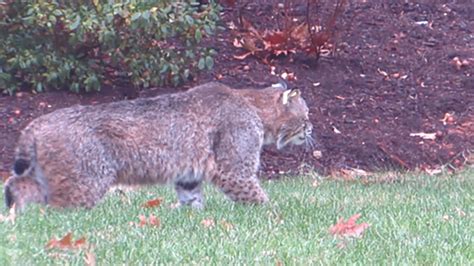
point(81, 44)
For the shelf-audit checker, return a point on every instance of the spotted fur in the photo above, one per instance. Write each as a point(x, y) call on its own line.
point(72, 156)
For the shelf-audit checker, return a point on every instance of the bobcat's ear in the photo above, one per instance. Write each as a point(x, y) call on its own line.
point(287, 95)
point(295, 93)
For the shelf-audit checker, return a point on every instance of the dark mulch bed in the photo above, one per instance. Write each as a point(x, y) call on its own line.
point(392, 75)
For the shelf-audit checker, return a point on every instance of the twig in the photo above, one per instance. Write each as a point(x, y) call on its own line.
point(393, 156)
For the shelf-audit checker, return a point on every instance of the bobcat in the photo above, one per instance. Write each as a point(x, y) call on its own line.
point(72, 156)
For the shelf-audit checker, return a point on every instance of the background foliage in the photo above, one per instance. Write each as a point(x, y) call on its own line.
point(82, 44)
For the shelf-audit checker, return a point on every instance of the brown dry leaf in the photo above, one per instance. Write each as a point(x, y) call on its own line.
point(11, 215)
point(300, 34)
point(66, 242)
point(352, 174)
point(237, 43)
point(383, 73)
point(458, 63)
point(290, 76)
point(243, 56)
point(349, 228)
point(249, 43)
point(152, 220)
point(90, 259)
point(208, 223)
point(448, 118)
point(227, 226)
point(152, 203)
point(4, 175)
point(460, 212)
point(317, 154)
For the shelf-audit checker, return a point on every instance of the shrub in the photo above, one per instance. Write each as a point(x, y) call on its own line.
point(81, 44)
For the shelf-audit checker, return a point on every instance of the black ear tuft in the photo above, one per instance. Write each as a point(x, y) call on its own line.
point(20, 166)
point(8, 197)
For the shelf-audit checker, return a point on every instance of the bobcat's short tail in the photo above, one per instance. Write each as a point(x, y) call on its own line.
point(25, 154)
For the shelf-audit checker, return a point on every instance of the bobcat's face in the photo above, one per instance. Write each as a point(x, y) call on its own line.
point(295, 125)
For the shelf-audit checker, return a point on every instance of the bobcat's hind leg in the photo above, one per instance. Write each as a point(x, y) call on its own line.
point(189, 192)
point(79, 191)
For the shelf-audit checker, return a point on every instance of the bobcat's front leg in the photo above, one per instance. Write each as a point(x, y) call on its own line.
point(241, 189)
point(238, 158)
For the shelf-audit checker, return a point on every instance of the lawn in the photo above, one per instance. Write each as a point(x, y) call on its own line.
point(419, 220)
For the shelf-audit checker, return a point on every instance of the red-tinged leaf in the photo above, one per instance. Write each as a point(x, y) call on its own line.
point(275, 39)
point(142, 220)
point(152, 203)
point(66, 242)
point(349, 228)
point(208, 223)
point(80, 242)
point(243, 56)
point(152, 220)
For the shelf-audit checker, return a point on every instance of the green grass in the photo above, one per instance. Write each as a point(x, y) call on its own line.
point(420, 220)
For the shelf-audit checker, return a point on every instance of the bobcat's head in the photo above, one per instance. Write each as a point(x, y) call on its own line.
point(292, 121)
point(284, 114)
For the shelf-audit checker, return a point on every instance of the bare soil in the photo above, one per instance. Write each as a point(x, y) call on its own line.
point(399, 69)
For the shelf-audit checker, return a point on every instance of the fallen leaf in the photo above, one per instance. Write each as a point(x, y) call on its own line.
point(66, 242)
point(152, 203)
point(151, 220)
point(288, 76)
point(243, 56)
point(433, 171)
point(458, 63)
point(274, 40)
point(208, 223)
point(11, 215)
point(237, 43)
point(300, 33)
point(460, 212)
point(317, 154)
point(349, 228)
point(227, 226)
point(429, 136)
point(90, 259)
point(448, 118)
point(4, 175)
point(383, 73)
